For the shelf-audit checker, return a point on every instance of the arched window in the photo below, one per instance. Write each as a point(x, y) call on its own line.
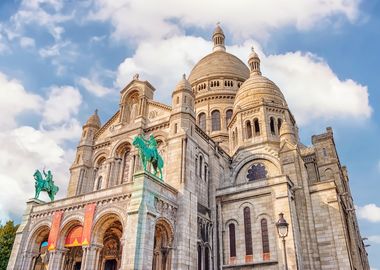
point(231, 229)
point(247, 231)
point(228, 116)
point(99, 184)
point(257, 126)
point(199, 257)
point(265, 238)
point(207, 258)
point(126, 164)
point(279, 123)
point(200, 166)
point(177, 99)
point(202, 121)
point(257, 171)
point(205, 173)
point(248, 128)
point(215, 120)
point(272, 131)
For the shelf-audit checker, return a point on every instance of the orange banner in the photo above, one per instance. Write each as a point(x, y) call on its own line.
point(89, 212)
point(54, 230)
point(74, 237)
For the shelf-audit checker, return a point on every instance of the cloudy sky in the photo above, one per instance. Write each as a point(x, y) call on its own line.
point(60, 60)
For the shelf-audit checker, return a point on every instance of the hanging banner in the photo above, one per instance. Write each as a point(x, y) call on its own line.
point(89, 212)
point(54, 230)
point(74, 237)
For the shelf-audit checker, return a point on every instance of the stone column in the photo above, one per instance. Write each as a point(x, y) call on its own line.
point(90, 260)
point(29, 258)
point(55, 260)
point(98, 249)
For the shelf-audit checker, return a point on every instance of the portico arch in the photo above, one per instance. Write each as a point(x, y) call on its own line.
point(163, 245)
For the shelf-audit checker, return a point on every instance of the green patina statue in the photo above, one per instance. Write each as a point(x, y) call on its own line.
point(46, 184)
point(148, 153)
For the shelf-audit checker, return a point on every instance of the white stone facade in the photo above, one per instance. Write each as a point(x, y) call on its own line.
point(233, 163)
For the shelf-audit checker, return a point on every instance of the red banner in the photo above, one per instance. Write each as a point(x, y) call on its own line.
point(89, 212)
point(74, 237)
point(54, 230)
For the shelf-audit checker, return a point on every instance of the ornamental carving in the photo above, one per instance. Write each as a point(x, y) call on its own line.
point(165, 209)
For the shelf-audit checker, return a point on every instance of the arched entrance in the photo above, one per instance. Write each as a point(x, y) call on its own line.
point(38, 246)
point(107, 233)
point(73, 243)
point(163, 241)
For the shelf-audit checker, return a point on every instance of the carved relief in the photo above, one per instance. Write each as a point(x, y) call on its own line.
point(165, 209)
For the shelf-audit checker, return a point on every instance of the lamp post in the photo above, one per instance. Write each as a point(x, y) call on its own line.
point(282, 229)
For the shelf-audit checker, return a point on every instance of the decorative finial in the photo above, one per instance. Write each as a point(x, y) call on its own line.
point(184, 76)
point(96, 111)
point(136, 76)
point(252, 49)
point(218, 24)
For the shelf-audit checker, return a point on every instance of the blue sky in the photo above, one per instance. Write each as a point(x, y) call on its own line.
point(60, 60)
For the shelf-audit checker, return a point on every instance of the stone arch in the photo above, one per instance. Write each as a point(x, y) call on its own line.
point(74, 253)
point(99, 155)
point(37, 246)
point(67, 225)
point(242, 206)
point(41, 230)
point(107, 233)
point(163, 244)
point(130, 105)
point(101, 217)
point(252, 157)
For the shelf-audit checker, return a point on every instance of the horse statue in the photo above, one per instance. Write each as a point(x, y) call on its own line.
point(148, 153)
point(46, 184)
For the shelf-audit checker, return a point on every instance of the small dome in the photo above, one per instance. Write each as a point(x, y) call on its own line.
point(219, 64)
point(94, 120)
point(183, 85)
point(257, 87)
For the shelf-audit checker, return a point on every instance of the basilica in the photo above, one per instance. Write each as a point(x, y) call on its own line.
point(238, 190)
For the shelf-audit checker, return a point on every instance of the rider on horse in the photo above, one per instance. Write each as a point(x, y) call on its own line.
point(152, 144)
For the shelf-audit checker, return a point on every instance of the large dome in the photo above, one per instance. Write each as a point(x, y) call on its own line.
point(219, 64)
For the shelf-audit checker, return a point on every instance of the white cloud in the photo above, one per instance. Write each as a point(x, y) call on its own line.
point(11, 93)
point(62, 103)
point(163, 19)
point(314, 91)
point(311, 88)
point(94, 87)
point(369, 212)
point(163, 62)
point(27, 42)
point(53, 50)
point(28, 148)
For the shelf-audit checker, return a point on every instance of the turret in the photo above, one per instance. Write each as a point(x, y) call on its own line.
point(81, 173)
point(89, 129)
point(183, 97)
point(287, 133)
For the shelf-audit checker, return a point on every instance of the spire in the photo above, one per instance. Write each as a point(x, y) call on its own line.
point(218, 38)
point(254, 63)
